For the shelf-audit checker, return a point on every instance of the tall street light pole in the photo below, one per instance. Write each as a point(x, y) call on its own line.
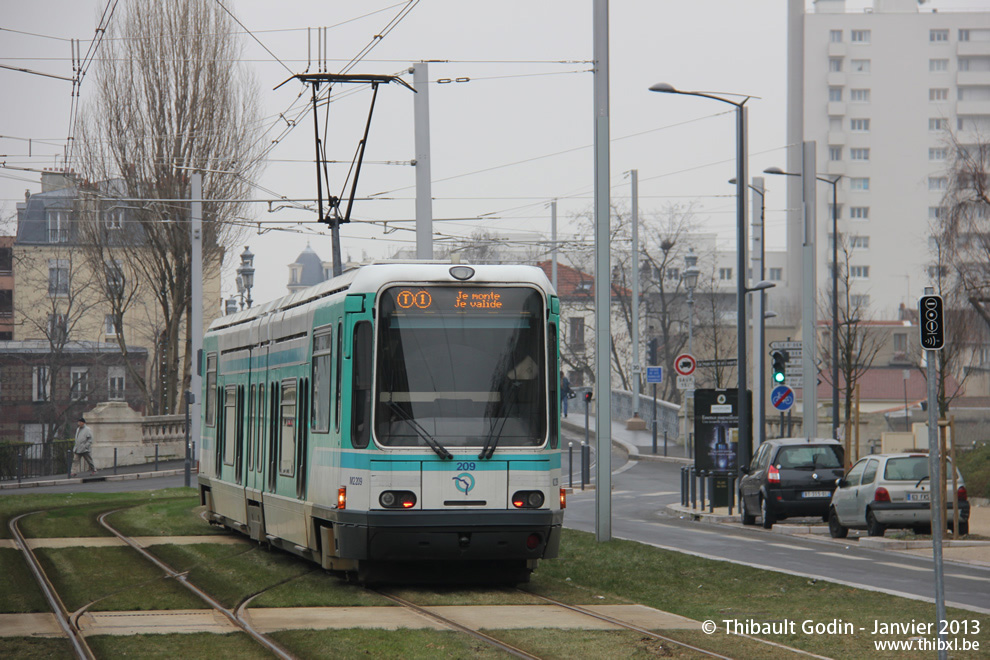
point(744, 439)
point(834, 181)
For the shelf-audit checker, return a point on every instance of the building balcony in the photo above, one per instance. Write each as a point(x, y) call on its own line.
point(835, 79)
point(836, 138)
point(836, 108)
point(837, 49)
point(965, 78)
point(971, 48)
point(966, 108)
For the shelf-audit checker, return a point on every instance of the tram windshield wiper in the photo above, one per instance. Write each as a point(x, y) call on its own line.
point(491, 442)
point(440, 450)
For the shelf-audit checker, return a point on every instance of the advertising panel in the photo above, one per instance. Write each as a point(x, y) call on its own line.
point(716, 430)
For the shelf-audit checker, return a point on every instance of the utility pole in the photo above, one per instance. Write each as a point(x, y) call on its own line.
point(193, 404)
point(553, 241)
point(424, 191)
point(603, 271)
point(809, 292)
point(636, 363)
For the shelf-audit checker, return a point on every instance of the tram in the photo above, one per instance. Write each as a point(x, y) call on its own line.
point(398, 415)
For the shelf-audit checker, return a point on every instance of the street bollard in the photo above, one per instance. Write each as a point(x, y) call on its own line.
point(655, 437)
point(694, 489)
point(570, 458)
point(711, 493)
point(156, 457)
point(68, 460)
point(585, 464)
point(20, 464)
point(115, 460)
point(702, 482)
point(732, 490)
point(664, 442)
point(684, 494)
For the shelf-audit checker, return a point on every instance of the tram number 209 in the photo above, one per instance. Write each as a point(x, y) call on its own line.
point(465, 466)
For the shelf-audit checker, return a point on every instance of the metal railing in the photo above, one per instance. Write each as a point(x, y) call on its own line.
point(27, 460)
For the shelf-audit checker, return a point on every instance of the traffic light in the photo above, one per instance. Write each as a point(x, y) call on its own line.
point(587, 396)
point(778, 366)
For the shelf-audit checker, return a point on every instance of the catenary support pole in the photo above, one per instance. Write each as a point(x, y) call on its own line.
point(553, 243)
point(603, 271)
point(636, 349)
point(759, 308)
point(194, 402)
point(809, 292)
point(424, 192)
point(934, 480)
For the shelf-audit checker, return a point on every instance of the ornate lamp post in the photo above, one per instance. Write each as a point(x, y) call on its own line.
point(245, 277)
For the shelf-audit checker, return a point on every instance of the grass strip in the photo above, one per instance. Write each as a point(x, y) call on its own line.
point(704, 589)
point(19, 592)
point(192, 646)
point(230, 573)
point(118, 579)
point(36, 648)
point(176, 516)
point(417, 644)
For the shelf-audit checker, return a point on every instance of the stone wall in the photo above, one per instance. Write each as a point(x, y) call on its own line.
point(116, 426)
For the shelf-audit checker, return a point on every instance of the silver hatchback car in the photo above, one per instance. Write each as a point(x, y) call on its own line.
point(891, 491)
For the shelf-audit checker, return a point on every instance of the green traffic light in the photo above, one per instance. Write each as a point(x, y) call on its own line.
point(778, 377)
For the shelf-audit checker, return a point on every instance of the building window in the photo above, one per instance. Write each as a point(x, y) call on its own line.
point(859, 95)
point(775, 274)
point(859, 183)
point(114, 272)
point(115, 383)
point(859, 272)
point(6, 260)
point(79, 383)
point(938, 183)
point(58, 226)
point(938, 35)
point(859, 66)
point(859, 125)
point(835, 64)
point(938, 153)
point(860, 36)
point(672, 273)
point(938, 65)
point(936, 212)
point(40, 385)
point(58, 277)
point(963, 35)
point(835, 211)
point(859, 212)
point(110, 326)
point(725, 274)
point(963, 64)
point(859, 242)
point(577, 334)
point(835, 36)
point(900, 342)
point(859, 154)
point(938, 124)
point(936, 272)
point(835, 153)
point(859, 301)
point(58, 328)
point(113, 218)
point(835, 94)
point(938, 94)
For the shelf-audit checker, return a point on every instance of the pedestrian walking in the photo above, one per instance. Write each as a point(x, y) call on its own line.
point(83, 446)
point(565, 393)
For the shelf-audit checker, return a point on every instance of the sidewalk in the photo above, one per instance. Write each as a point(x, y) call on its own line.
point(123, 472)
point(638, 444)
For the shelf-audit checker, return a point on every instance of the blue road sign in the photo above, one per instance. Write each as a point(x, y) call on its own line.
point(654, 374)
point(782, 398)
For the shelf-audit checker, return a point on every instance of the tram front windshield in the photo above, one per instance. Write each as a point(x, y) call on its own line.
point(461, 366)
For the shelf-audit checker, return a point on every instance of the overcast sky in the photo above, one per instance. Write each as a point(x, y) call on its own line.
point(513, 134)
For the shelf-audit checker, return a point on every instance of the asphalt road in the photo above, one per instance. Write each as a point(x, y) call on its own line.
point(642, 490)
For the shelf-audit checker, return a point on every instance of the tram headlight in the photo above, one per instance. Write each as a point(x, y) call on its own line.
point(462, 272)
point(397, 499)
point(527, 499)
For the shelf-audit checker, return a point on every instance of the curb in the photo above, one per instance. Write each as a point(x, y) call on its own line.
point(89, 480)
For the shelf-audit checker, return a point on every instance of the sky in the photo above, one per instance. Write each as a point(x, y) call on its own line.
point(511, 112)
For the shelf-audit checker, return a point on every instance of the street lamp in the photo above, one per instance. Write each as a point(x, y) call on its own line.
point(835, 289)
point(245, 276)
point(690, 277)
point(744, 443)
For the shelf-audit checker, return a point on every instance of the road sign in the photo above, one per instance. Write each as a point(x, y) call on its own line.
point(685, 364)
point(730, 362)
point(932, 323)
point(787, 345)
point(685, 382)
point(654, 374)
point(782, 398)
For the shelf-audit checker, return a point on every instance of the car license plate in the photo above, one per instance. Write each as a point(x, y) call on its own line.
point(919, 497)
point(816, 493)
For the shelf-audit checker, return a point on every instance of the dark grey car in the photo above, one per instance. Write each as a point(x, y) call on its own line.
point(790, 477)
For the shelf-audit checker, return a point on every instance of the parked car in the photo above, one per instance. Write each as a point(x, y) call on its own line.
point(790, 477)
point(891, 491)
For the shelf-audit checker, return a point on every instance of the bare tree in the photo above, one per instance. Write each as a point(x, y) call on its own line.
point(170, 100)
point(713, 333)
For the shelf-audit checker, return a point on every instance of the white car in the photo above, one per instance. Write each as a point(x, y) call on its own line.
point(891, 491)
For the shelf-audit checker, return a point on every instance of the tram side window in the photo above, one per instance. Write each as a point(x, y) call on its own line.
point(338, 393)
point(287, 435)
point(320, 399)
point(361, 390)
point(555, 375)
point(251, 414)
point(211, 390)
point(258, 442)
point(229, 425)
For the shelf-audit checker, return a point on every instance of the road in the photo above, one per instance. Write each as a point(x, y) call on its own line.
point(642, 490)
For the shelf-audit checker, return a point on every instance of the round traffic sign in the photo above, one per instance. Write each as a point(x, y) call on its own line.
point(782, 398)
point(685, 364)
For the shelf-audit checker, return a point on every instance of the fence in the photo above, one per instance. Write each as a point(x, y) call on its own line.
point(26, 460)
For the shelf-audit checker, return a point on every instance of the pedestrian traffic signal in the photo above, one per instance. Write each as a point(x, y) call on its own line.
point(778, 366)
point(587, 396)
